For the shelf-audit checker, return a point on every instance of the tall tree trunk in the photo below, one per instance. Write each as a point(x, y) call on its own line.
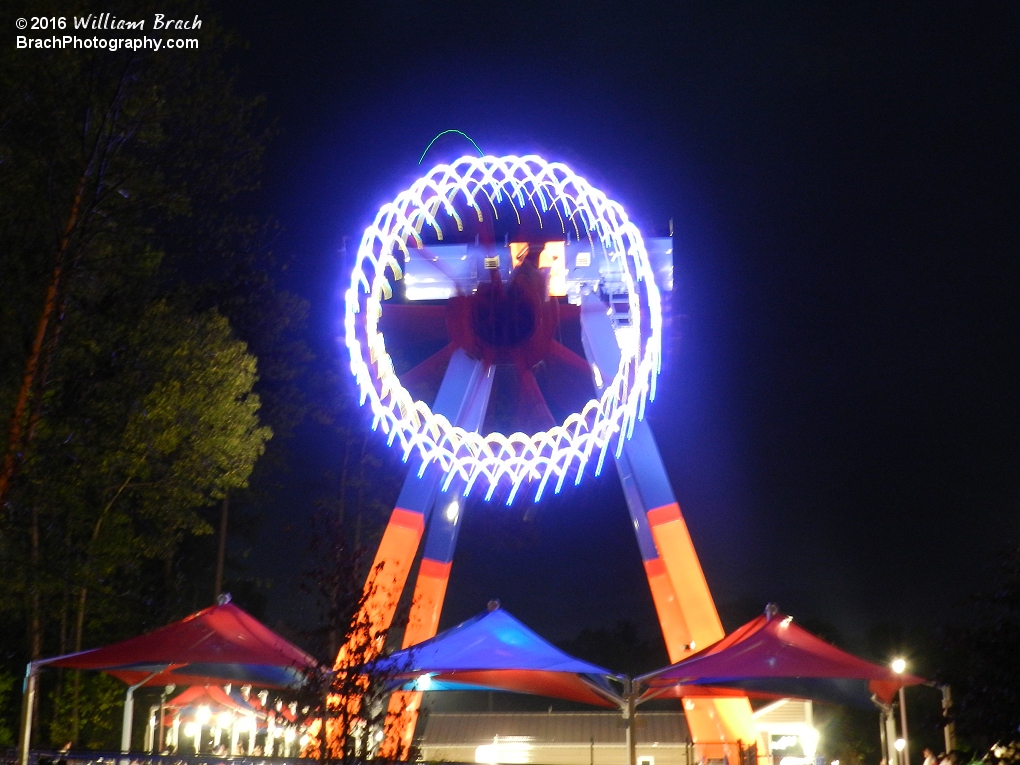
point(35, 638)
point(16, 431)
point(79, 617)
point(79, 627)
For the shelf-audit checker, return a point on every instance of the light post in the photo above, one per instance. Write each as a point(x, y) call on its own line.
point(899, 666)
point(949, 729)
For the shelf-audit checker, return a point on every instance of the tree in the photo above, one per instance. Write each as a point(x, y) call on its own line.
point(126, 404)
point(349, 712)
point(980, 657)
point(162, 424)
point(105, 156)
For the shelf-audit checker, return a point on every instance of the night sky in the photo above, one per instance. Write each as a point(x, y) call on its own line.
point(839, 414)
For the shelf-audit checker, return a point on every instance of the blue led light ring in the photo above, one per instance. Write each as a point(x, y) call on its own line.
point(519, 457)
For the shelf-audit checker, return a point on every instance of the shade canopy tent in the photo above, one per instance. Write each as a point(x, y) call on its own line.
point(771, 655)
point(494, 651)
point(212, 696)
point(220, 644)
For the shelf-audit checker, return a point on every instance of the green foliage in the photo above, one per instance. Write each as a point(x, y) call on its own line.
point(9, 697)
point(101, 701)
point(166, 424)
point(122, 185)
point(194, 433)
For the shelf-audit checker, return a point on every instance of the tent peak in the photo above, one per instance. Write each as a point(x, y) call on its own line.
point(771, 610)
point(492, 605)
point(223, 598)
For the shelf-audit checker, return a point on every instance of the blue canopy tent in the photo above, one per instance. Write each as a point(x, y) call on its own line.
point(494, 651)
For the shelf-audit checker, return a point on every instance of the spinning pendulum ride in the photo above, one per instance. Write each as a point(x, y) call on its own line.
point(542, 302)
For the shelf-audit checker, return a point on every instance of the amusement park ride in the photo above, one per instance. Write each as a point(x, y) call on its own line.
point(545, 302)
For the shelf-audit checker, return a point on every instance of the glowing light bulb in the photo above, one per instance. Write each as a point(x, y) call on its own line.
point(202, 715)
point(452, 511)
point(899, 666)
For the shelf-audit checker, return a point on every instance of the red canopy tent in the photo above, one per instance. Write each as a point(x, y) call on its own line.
point(771, 655)
point(211, 696)
point(216, 700)
point(220, 644)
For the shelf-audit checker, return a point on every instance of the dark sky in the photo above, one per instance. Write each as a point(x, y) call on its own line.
point(840, 416)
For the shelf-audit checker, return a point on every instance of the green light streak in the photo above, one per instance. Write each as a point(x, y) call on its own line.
point(458, 132)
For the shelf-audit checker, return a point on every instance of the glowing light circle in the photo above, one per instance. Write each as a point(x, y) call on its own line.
point(493, 458)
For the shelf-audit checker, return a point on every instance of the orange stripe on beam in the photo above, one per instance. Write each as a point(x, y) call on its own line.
point(401, 717)
point(408, 519)
point(664, 514)
point(434, 569)
point(711, 721)
point(671, 619)
point(676, 550)
point(429, 594)
point(387, 578)
point(422, 624)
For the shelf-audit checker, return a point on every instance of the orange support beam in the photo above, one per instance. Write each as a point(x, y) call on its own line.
point(676, 551)
point(422, 624)
point(389, 573)
point(716, 725)
point(667, 606)
point(429, 594)
point(682, 599)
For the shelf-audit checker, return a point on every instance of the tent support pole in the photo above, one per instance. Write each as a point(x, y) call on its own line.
point(628, 713)
point(150, 730)
point(129, 712)
point(27, 706)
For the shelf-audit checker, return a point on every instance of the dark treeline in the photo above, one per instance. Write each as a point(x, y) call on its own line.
point(149, 368)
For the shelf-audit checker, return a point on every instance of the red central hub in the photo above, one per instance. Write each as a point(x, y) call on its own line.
point(509, 323)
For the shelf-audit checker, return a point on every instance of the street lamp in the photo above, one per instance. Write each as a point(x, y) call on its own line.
point(899, 666)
